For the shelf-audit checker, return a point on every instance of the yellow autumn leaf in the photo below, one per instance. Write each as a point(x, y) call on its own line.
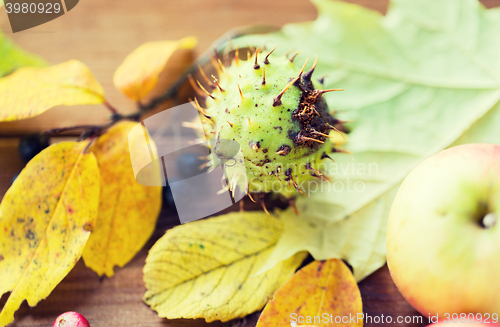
point(45, 220)
point(206, 269)
point(30, 91)
point(128, 211)
point(139, 72)
point(323, 293)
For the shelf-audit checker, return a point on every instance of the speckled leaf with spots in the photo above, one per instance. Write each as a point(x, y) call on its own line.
point(45, 220)
point(323, 293)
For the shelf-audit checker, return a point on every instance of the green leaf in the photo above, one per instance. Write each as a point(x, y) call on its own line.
point(360, 239)
point(422, 78)
point(13, 57)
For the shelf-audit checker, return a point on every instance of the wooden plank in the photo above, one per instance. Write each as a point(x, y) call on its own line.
point(101, 33)
point(10, 163)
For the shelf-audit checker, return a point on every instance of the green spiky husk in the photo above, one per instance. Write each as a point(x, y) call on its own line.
point(283, 140)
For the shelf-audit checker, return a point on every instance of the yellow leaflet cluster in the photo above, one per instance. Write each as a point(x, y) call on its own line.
point(45, 221)
point(323, 293)
point(30, 91)
point(207, 269)
point(39, 245)
point(127, 210)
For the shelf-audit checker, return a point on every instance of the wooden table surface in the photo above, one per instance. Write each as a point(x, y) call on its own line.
point(100, 34)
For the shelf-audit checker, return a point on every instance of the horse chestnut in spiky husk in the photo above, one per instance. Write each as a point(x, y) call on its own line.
point(276, 114)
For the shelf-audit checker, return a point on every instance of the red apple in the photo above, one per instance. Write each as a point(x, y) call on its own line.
point(443, 238)
point(71, 319)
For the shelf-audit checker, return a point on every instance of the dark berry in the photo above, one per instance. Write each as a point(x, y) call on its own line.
point(31, 145)
point(168, 198)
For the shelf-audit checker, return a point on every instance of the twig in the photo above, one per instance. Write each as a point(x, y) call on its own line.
point(110, 107)
point(72, 128)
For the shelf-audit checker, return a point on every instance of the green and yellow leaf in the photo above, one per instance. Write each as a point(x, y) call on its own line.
point(360, 239)
point(323, 293)
point(206, 269)
point(14, 57)
point(45, 220)
point(416, 81)
point(30, 91)
point(139, 72)
point(128, 211)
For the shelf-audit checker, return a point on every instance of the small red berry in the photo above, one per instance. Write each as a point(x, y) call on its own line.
point(71, 319)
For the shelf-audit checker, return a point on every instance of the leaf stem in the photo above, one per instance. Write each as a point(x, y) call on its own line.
point(110, 107)
point(91, 139)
